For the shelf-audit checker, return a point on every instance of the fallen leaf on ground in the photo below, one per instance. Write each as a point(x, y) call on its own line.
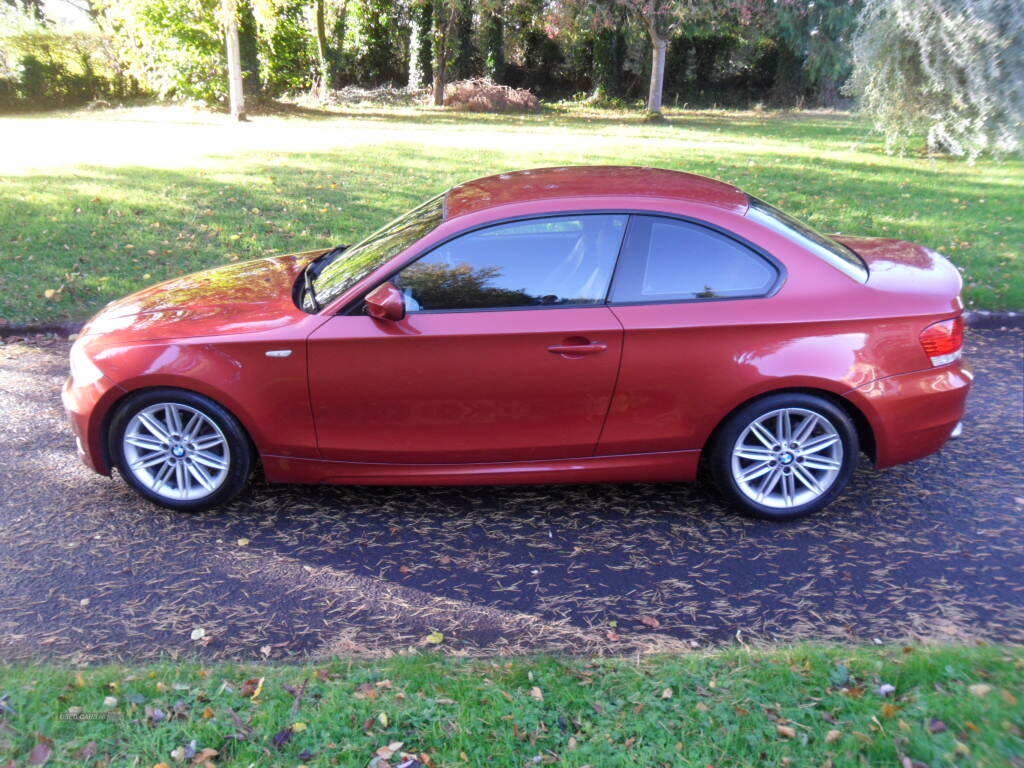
point(385, 753)
point(282, 737)
point(41, 752)
point(252, 687)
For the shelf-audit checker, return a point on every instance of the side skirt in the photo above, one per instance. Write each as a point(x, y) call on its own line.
point(667, 466)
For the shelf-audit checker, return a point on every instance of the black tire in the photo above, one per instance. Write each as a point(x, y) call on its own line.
point(240, 456)
point(720, 457)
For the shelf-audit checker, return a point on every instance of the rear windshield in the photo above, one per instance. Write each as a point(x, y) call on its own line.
point(836, 254)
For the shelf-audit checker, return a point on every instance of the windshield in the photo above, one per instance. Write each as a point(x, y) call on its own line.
point(353, 264)
point(836, 254)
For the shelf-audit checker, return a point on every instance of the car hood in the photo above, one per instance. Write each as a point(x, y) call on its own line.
point(246, 297)
point(896, 266)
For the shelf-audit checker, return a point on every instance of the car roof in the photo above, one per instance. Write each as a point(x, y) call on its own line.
point(590, 181)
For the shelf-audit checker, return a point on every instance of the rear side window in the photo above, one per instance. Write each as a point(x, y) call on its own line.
point(555, 261)
point(836, 254)
point(671, 260)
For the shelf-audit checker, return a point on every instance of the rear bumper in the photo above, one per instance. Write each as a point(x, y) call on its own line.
point(86, 406)
point(913, 414)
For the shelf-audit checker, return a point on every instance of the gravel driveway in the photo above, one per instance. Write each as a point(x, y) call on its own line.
point(931, 550)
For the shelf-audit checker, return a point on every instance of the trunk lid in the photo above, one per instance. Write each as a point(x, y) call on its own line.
point(928, 279)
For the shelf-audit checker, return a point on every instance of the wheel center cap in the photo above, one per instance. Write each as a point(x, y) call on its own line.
point(786, 458)
point(178, 451)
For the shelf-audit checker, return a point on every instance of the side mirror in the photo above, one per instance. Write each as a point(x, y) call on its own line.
point(385, 302)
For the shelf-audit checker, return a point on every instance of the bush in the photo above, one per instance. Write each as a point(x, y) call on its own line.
point(483, 95)
point(953, 69)
point(46, 66)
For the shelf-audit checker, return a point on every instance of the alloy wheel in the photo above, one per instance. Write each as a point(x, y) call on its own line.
point(787, 457)
point(176, 451)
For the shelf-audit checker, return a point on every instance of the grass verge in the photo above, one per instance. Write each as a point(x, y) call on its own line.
point(794, 706)
point(95, 205)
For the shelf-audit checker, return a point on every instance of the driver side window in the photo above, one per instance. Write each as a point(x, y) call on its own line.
point(555, 261)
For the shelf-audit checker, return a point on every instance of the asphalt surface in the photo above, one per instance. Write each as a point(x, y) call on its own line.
point(932, 550)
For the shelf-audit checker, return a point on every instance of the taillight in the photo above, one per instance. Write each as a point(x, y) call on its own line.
point(942, 341)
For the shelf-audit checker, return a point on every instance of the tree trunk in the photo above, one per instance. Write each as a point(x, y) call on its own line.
point(235, 94)
point(440, 70)
point(659, 44)
point(321, 50)
point(444, 25)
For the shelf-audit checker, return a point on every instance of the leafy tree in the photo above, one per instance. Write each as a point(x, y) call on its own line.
point(464, 56)
point(659, 19)
point(32, 8)
point(492, 33)
point(375, 35)
point(609, 58)
point(421, 70)
point(176, 47)
point(951, 68)
point(444, 14)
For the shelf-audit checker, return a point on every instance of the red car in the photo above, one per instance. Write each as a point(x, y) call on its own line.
point(579, 324)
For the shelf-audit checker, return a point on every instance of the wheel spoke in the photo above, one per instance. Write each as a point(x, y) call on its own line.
point(200, 474)
point(754, 453)
point(162, 476)
point(209, 459)
point(148, 460)
point(154, 426)
point(788, 488)
point(821, 462)
point(763, 435)
point(180, 478)
point(207, 442)
point(193, 426)
point(173, 418)
point(819, 444)
point(769, 483)
point(806, 428)
point(784, 427)
point(143, 442)
point(755, 471)
point(806, 478)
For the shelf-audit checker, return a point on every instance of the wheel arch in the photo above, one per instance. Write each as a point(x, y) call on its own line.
point(865, 432)
point(117, 404)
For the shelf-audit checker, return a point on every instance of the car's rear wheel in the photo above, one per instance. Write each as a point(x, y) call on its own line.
point(785, 455)
point(180, 450)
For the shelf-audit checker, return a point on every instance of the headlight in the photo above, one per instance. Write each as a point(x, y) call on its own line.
point(83, 370)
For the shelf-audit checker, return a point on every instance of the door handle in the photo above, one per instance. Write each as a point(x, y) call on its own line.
point(578, 350)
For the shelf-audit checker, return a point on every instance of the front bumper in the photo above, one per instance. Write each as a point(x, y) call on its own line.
point(913, 414)
point(86, 406)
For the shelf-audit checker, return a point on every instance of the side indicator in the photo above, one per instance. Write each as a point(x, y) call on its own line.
point(278, 352)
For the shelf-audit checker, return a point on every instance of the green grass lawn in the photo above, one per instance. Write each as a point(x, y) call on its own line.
point(94, 205)
point(801, 706)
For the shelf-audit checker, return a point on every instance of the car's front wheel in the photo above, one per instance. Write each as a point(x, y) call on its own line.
point(179, 449)
point(785, 455)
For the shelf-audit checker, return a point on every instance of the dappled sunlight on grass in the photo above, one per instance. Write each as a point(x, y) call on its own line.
point(97, 204)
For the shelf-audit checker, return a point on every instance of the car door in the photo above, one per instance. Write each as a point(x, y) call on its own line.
point(508, 351)
point(693, 302)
